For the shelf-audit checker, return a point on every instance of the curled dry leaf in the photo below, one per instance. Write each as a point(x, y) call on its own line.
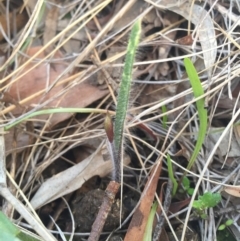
point(42, 77)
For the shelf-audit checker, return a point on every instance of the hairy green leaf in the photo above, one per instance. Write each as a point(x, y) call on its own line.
point(125, 85)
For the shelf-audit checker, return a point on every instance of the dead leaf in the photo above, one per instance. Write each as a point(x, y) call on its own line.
point(111, 74)
point(81, 96)
point(234, 190)
point(73, 178)
point(103, 17)
point(183, 151)
point(16, 22)
point(236, 130)
point(199, 17)
point(170, 18)
point(186, 40)
point(236, 89)
point(31, 4)
point(139, 220)
point(41, 78)
point(223, 149)
point(50, 26)
point(128, 16)
point(177, 206)
point(225, 103)
point(22, 141)
point(156, 92)
point(164, 235)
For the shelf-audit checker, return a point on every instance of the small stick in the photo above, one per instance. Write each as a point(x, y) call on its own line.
point(105, 208)
point(167, 202)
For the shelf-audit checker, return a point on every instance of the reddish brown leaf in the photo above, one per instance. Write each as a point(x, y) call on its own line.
point(50, 27)
point(40, 79)
point(186, 40)
point(177, 206)
point(139, 220)
point(16, 20)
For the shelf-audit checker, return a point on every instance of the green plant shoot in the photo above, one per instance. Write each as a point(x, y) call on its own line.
point(202, 112)
point(125, 85)
point(228, 223)
point(171, 175)
point(186, 185)
point(207, 200)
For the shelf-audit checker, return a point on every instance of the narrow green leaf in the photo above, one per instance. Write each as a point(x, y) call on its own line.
point(164, 118)
point(9, 232)
point(202, 112)
point(26, 237)
point(6, 226)
point(149, 227)
point(171, 175)
point(52, 111)
point(125, 85)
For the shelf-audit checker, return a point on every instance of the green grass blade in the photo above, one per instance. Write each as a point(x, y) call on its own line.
point(165, 117)
point(52, 111)
point(202, 112)
point(125, 85)
point(149, 227)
